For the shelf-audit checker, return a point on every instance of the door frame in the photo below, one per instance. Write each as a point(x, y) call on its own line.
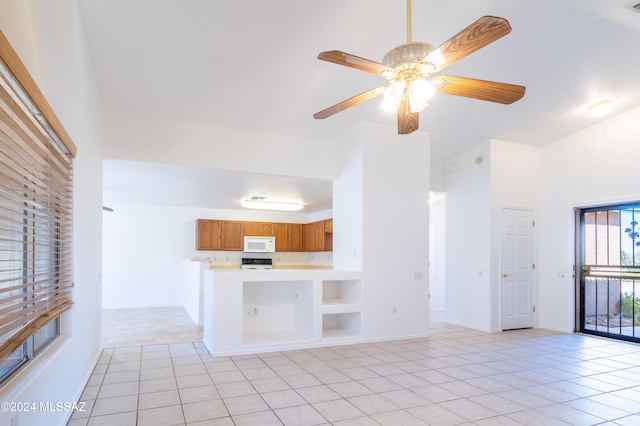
point(575, 210)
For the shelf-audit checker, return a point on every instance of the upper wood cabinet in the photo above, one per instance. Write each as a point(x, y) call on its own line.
point(295, 237)
point(316, 237)
point(232, 235)
point(229, 235)
point(289, 236)
point(328, 235)
point(208, 234)
point(310, 237)
point(219, 235)
point(319, 230)
point(259, 228)
point(282, 236)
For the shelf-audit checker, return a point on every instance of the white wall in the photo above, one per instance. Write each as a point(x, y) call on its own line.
point(347, 206)
point(515, 174)
point(437, 251)
point(143, 246)
point(593, 167)
point(395, 229)
point(48, 38)
point(468, 293)
point(481, 182)
point(381, 220)
point(596, 166)
point(190, 144)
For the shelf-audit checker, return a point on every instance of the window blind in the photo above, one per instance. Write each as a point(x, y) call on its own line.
point(36, 189)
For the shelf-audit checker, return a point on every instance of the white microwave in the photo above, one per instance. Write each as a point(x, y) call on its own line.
point(258, 244)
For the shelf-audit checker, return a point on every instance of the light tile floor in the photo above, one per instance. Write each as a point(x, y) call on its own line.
point(143, 326)
point(456, 376)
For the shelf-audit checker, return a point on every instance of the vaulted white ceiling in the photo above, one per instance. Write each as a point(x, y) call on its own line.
point(252, 64)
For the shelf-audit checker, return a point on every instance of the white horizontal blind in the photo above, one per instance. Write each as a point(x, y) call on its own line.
point(35, 224)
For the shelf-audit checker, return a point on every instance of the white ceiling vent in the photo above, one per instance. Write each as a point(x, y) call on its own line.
point(635, 6)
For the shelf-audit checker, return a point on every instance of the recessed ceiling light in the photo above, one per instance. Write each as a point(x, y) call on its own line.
point(601, 109)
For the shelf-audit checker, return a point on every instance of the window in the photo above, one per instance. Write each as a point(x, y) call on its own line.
point(36, 194)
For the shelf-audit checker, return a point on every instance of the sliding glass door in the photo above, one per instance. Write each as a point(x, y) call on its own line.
point(610, 271)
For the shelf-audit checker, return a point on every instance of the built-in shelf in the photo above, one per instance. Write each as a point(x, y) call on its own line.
point(341, 325)
point(341, 308)
point(277, 312)
point(340, 292)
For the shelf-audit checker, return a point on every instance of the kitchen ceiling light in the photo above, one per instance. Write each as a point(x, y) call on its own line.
point(601, 109)
point(269, 205)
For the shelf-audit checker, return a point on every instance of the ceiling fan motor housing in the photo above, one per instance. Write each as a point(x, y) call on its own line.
point(407, 53)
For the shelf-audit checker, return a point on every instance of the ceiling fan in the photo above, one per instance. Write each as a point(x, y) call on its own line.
point(409, 66)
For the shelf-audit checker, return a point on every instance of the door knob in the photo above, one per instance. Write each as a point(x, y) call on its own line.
point(505, 275)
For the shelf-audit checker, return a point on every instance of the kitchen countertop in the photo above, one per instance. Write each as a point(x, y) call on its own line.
point(237, 267)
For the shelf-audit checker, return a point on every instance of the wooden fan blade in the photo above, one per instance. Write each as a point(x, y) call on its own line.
point(408, 121)
point(476, 36)
point(479, 89)
point(348, 60)
point(341, 106)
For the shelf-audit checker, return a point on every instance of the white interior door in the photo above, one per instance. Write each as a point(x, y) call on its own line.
point(517, 266)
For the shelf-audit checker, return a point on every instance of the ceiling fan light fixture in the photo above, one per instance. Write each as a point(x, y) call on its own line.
point(393, 93)
point(600, 109)
point(419, 94)
point(412, 62)
point(271, 205)
point(437, 58)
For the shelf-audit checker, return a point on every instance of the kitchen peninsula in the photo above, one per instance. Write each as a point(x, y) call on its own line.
point(251, 311)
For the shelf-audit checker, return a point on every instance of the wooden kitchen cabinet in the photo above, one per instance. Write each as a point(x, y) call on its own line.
point(318, 236)
point(292, 237)
point(232, 235)
point(265, 229)
point(310, 239)
point(295, 237)
point(328, 235)
point(219, 235)
point(282, 236)
point(319, 230)
point(288, 236)
point(208, 234)
point(314, 237)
